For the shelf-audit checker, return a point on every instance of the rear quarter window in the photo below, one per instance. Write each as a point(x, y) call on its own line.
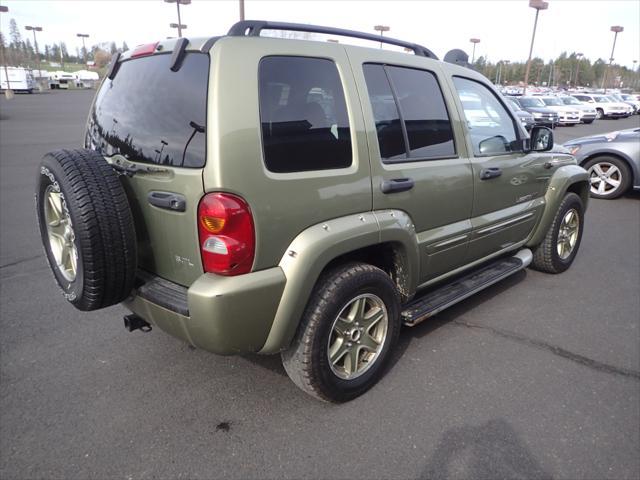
point(150, 114)
point(303, 115)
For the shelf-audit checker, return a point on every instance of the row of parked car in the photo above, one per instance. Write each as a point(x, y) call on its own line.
point(570, 110)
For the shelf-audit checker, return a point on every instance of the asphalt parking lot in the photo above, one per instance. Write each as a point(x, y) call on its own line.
point(537, 377)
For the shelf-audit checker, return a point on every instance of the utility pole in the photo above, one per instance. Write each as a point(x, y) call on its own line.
point(538, 5)
point(178, 25)
point(8, 93)
point(381, 29)
point(616, 29)
point(35, 42)
point(84, 49)
point(241, 10)
point(475, 41)
point(578, 56)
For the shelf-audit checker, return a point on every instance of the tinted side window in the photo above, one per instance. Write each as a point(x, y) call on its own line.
point(424, 113)
point(303, 115)
point(411, 118)
point(491, 127)
point(385, 114)
point(153, 115)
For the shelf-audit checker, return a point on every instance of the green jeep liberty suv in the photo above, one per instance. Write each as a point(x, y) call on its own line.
point(255, 194)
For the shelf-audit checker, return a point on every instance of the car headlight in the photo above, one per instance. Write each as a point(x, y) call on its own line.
point(537, 115)
point(573, 149)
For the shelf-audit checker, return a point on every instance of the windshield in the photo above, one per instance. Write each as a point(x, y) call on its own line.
point(570, 101)
point(531, 102)
point(556, 102)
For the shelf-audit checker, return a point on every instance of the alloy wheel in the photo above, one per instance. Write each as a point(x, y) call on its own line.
point(568, 233)
point(605, 178)
point(357, 336)
point(60, 234)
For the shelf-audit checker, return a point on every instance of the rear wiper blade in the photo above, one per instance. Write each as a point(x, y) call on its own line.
point(130, 169)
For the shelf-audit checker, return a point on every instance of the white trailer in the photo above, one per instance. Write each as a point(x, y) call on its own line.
point(61, 79)
point(86, 79)
point(19, 79)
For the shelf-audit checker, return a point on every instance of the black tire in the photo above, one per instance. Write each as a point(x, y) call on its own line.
point(588, 122)
point(546, 257)
point(599, 113)
point(307, 362)
point(624, 176)
point(94, 205)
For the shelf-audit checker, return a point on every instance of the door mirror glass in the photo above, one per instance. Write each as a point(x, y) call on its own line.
point(541, 139)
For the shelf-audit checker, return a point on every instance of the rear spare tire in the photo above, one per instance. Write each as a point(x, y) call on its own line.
point(86, 228)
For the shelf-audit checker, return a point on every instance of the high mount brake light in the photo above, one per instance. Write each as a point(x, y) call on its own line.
point(143, 50)
point(227, 235)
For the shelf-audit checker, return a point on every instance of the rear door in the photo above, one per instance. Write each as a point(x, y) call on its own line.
point(151, 116)
point(508, 185)
point(418, 162)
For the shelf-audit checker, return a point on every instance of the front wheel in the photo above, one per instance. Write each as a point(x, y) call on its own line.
point(346, 335)
point(609, 177)
point(561, 243)
point(599, 113)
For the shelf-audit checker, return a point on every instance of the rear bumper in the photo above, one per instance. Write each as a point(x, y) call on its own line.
point(224, 315)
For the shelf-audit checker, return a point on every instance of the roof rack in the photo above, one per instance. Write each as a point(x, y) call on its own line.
point(252, 28)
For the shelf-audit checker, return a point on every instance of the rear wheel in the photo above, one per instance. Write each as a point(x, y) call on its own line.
point(560, 245)
point(86, 228)
point(346, 335)
point(609, 177)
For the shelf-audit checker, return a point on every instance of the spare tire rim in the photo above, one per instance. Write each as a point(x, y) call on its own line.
point(568, 234)
point(357, 336)
point(60, 233)
point(605, 178)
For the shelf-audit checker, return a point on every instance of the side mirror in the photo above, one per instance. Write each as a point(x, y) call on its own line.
point(541, 140)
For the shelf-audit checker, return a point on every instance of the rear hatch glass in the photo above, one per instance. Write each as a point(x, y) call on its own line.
point(149, 114)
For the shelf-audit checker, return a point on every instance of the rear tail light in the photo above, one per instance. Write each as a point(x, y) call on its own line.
point(227, 235)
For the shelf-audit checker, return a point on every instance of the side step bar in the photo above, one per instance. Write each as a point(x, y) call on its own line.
point(451, 293)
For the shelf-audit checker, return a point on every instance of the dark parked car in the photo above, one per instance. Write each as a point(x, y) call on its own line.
point(526, 119)
point(612, 160)
point(542, 114)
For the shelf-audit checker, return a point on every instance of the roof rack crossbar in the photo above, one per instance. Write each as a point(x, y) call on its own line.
point(252, 28)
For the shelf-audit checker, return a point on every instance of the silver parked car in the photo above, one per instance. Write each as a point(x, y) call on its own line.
point(612, 160)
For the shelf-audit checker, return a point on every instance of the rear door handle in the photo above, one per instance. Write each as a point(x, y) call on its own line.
point(397, 185)
point(168, 201)
point(492, 172)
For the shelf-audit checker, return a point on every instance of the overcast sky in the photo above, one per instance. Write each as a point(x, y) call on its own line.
point(504, 27)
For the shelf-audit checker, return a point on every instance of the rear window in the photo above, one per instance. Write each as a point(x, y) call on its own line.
point(150, 114)
point(303, 115)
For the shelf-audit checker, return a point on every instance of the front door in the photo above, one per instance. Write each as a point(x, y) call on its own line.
point(418, 161)
point(508, 184)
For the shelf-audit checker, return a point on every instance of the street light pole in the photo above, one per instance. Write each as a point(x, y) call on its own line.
point(178, 25)
point(381, 29)
point(474, 41)
point(538, 5)
point(241, 10)
point(35, 42)
point(578, 57)
point(616, 29)
point(84, 49)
